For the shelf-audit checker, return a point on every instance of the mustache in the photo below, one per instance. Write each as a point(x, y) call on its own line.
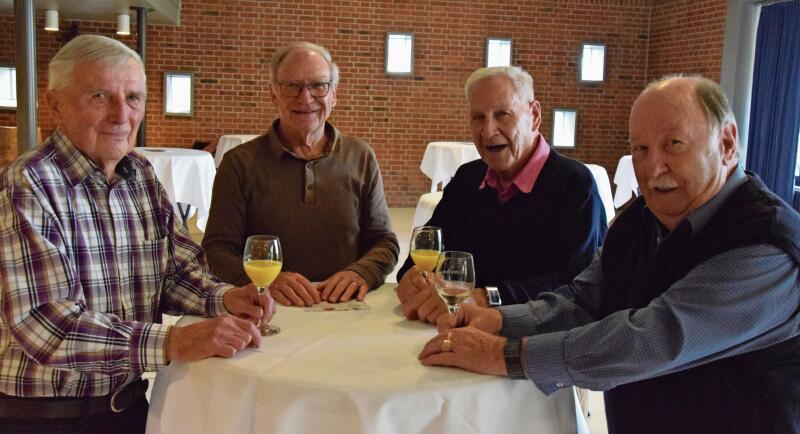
point(662, 182)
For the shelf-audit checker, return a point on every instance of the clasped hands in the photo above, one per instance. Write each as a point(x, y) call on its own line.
point(467, 340)
point(293, 289)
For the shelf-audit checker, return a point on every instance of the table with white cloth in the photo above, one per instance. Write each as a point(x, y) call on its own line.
point(625, 179)
point(442, 159)
point(227, 142)
point(188, 177)
point(348, 372)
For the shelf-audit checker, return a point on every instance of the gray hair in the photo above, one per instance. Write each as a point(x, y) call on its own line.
point(86, 48)
point(281, 54)
point(523, 82)
point(711, 96)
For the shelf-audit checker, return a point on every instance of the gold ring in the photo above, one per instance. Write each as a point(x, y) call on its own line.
point(424, 274)
point(446, 345)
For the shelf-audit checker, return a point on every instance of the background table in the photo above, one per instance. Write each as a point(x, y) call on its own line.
point(229, 141)
point(188, 177)
point(441, 160)
point(348, 372)
point(625, 179)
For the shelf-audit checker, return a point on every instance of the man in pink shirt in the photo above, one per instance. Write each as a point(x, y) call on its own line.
point(531, 217)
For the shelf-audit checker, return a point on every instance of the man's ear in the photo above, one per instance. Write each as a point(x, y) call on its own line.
point(536, 111)
point(728, 143)
point(52, 102)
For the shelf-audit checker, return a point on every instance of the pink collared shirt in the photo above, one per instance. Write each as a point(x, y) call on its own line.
point(525, 179)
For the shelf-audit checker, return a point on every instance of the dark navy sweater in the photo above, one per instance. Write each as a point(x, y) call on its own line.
point(535, 241)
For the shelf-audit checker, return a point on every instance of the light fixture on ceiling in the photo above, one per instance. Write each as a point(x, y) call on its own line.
point(51, 20)
point(123, 24)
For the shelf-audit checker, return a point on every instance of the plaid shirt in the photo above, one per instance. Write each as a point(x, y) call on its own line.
point(87, 266)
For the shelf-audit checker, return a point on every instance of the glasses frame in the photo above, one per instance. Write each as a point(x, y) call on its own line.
point(300, 86)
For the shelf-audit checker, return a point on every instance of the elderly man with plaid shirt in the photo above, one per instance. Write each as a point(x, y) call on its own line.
point(91, 254)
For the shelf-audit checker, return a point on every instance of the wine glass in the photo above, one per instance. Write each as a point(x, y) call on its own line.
point(426, 245)
point(263, 260)
point(455, 278)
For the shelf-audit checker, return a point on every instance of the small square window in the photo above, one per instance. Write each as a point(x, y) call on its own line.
point(399, 53)
point(179, 93)
point(498, 52)
point(8, 87)
point(592, 62)
point(564, 126)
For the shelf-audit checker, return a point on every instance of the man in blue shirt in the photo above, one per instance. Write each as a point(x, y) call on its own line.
point(688, 318)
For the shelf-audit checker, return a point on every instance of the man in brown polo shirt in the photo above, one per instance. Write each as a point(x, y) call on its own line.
point(318, 190)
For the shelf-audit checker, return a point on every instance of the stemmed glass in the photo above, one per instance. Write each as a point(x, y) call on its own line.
point(455, 278)
point(426, 246)
point(263, 260)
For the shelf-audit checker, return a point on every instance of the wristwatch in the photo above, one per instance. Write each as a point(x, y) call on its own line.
point(493, 296)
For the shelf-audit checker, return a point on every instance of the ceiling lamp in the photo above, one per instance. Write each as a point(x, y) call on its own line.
point(123, 24)
point(51, 20)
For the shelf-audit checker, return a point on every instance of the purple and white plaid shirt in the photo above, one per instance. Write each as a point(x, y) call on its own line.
point(87, 266)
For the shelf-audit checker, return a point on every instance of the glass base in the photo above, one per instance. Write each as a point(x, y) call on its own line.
point(268, 330)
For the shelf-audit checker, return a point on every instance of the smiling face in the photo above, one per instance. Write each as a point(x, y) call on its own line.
point(100, 110)
point(504, 126)
point(304, 115)
point(680, 161)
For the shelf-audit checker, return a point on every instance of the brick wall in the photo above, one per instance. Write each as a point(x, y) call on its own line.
point(228, 44)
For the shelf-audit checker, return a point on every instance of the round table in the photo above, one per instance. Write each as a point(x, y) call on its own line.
point(348, 372)
point(188, 177)
point(442, 159)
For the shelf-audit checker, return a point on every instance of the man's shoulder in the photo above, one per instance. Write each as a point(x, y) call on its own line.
point(565, 168)
point(39, 164)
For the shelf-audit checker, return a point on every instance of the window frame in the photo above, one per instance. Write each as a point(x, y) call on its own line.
point(580, 62)
point(386, 54)
point(16, 99)
point(167, 76)
point(510, 50)
point(574, 132)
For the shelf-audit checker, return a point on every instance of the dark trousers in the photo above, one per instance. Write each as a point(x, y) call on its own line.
point(132, 420)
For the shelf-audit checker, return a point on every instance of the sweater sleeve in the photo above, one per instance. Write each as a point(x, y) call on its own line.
point(224, 238)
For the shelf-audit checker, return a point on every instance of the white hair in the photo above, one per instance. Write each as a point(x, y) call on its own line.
point(86, 48)
point(281, 54)
point(523, 82)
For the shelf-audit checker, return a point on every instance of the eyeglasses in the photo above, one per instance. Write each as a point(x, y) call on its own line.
point(292, 89)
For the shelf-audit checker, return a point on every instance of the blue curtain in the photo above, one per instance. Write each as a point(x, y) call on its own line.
point(775, 109)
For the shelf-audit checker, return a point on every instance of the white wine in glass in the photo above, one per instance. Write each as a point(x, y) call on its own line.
point(455, 278)
point(426, 246)
point(263, 260)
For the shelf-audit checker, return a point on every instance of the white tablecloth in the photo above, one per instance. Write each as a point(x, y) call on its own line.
point(347, 372)
point(229, 141)
point(625, 179)
point(187, 175)
point(604, 187)
point(441, 160)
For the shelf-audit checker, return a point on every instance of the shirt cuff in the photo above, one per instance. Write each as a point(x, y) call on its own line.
point(214, 303)
point(518, 321)
point(147, 349)
point(543, 361)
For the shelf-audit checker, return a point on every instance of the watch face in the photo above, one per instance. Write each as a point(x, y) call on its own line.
point(493, 294)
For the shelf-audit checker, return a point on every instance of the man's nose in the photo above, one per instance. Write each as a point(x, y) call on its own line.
point(305, 94)
point(489, 128)
point(118, 110)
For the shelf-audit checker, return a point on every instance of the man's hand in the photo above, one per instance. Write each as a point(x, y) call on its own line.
point(222, 336)
point(293, 289)
point(470, 349)
point(342, 286)
point(245, 302)
point(419, 298)
point(469, 315)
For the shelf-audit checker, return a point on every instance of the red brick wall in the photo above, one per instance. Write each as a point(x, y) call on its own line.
point(228, 45)
point(687, 36)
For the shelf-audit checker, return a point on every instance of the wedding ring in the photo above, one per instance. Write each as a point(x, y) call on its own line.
point(424, 274)
point(447, 344)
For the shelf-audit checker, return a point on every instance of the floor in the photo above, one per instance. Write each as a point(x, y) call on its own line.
point(401, 222)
